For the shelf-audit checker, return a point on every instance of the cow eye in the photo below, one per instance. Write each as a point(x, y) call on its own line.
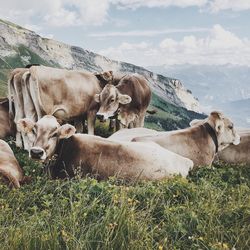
point(230, 126)
point(112, 100)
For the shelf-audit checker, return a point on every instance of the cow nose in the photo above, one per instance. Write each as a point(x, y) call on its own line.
point(100, 116)
point(36, 153)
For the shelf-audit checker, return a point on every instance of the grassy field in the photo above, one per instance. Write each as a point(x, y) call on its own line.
point(209, 210)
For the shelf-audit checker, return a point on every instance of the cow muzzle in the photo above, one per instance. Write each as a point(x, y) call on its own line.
point(102, 116)
point(37, 153)
point(236, 140)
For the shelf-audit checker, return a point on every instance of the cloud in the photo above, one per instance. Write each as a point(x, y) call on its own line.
point(134, 4)
point(96, 12)
point(219, 46)
point(219, 5)
point(56, 12)
point(146, 33)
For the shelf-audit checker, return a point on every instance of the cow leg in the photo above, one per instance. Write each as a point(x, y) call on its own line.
point(34, 93)
point(78, 123)
point(16, 117)
point(29, 108)
point(139, 123)
point(112, 124)
point(117, 125)
point(91, 122)
point(19, 110)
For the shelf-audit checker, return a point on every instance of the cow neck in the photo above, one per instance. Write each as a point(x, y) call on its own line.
point(59, 150)
point(213, 135)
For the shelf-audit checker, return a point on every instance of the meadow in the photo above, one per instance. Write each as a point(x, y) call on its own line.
point(208, 210)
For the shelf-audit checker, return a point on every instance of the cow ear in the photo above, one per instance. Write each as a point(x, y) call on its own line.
point(25, 125)
point(217, 114)
point(108, 76)
point(66, 131)
point(124, 99)
point(97, 98)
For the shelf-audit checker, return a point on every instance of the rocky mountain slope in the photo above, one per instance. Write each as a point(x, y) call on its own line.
point(221, 87)
point(19, 46)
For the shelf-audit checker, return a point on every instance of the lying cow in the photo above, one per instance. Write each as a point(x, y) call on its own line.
point(129, 134)
point(10, 169)
point(129, 99)
point(99, 156)
point(199, 143)
point(238, 154)
point(7, 126)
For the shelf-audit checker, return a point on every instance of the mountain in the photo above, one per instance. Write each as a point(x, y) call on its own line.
point(20, 46)
point(221, 87)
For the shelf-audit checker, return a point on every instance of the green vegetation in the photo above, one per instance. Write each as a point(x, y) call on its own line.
point(209, 210)
point(168, 116)
point(23, 57)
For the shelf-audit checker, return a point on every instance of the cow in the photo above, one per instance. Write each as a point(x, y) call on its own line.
point(40, 90)
point(128, 100)
point(7, 125)
point(128, 134)
point(238, 154)
point(16, 101)
point(199, 143)
point(101, 157)
point(65, 94)
point(10, 169)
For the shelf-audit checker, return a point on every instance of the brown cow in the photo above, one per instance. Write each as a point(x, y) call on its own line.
point(238, 154)
point(15, 89)
point(39, 90)
point(95, 155)
point(10, 169)
point(199, 143)
point(129, 98)
point(7, 126)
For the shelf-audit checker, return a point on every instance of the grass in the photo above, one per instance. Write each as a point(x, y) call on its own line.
point(209, 210)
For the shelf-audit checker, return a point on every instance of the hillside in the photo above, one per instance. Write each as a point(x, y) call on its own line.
point(19, 47)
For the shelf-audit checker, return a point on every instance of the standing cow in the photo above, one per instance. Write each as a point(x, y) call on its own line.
point(66, 94)
point(128, 100)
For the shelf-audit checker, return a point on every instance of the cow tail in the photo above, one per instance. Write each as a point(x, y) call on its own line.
point(10, 177)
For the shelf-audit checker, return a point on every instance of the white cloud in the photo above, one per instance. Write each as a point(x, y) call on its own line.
point(95, 12)
point(219, 46)
point(146, 33)
point(235, 5)
point(158, 3)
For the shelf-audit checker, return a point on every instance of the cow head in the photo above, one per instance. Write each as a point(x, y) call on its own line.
point(223, 127)
point(110, 99)
point(46, 132)
point(105, 77)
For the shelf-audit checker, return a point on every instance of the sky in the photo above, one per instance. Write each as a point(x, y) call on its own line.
point(143, 32)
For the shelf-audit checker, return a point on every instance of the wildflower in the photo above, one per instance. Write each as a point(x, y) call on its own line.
point(160, 247)
point(130, 201)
